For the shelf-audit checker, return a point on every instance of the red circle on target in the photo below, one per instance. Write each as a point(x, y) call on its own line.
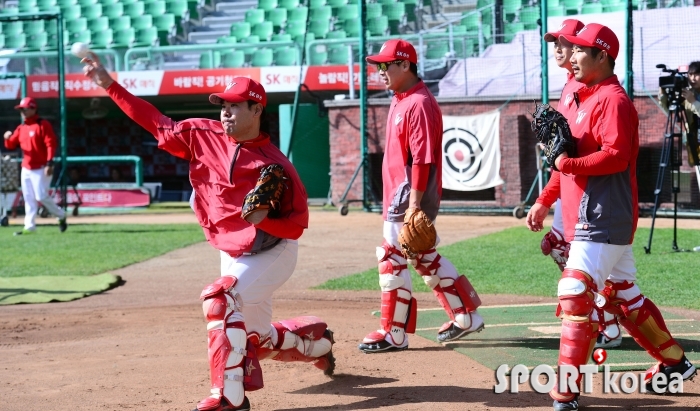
point(459, 156)
point(599, 356)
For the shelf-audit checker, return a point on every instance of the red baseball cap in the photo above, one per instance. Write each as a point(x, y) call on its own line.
point(241, 89)
point(596, 35)
point(568, 26)
point(394, 50)
point(26, 102)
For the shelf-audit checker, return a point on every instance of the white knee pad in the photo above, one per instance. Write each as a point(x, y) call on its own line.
point(388, 282)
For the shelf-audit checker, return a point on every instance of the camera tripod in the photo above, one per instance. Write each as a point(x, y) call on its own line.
point(671, 158)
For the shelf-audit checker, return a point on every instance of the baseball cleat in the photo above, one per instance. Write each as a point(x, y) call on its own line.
point(454, 332)
point(566, 406)
point(685, 368)
point(603, 341)
point(225, 406)
point(62, 225)
point(24, 232)
point(382, 346)
point(327, 362)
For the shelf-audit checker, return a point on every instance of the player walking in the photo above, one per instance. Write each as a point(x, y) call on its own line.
point(37, 140)
point(554, 242)
point(412, 180)
point(599, 203)
point(256, 258)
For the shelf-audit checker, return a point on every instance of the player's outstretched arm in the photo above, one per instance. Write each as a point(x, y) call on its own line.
point(95, 71)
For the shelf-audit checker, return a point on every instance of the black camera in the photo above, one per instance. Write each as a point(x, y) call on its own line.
point(673, 84)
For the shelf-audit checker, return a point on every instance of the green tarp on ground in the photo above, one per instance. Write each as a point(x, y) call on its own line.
point(45, 289)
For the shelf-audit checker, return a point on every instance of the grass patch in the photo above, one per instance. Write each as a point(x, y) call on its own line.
point(89, 249)
point(510, 262)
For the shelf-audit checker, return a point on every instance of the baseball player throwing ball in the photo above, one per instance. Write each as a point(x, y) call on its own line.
point(411, 173)
point(252, 207)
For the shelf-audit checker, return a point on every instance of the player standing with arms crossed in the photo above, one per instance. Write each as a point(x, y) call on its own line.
point(258, 253)
point(554, 242)
point(412, 181)
point(38, 143)
point(599, 202)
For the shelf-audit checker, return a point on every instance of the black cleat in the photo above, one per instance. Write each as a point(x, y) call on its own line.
point(62, 225)
point(685, 368)
point(566, 406)
point(454, 332)
point(225, 406)
point(381, 346)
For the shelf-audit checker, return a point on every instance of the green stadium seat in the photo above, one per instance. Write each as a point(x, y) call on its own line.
point(572, 6)
point(373, 10)
point(87, 2)
point(318, 55)
point(511, 9)
point(336, 34)
point(337, 3)
point(352, 28)
point(31, 27)
point(295, 28)
point(12, 28)
point(395, 11)
point(590, 8)
point(135, 9)
point(553, 3)
point(155, 8)
point(210, 60)
point(2, 41)
point(119, 23)
point(15, 41)
point(308, 37)
point(9, 10)
point(262, 58)
point(615, 7)
point(81, 36)
point(320, 28)
point(147, 36)
point(321, 13)
point(71, 12)
point(437, 50)
point(254, 16)
point(471, 20)
point(263, 30)
point(112, 11)
point(78, 25)
point(316, 3)
point(28, 6)
point(227, 40)
point(240, 29)
point(278, 17)
point(510, 30)
point(36, 42)
point(165, 24)
point(91, 11)
point(288, 4)
point(107, 3)
point(608, 3)
point(556, 11)
point(267, 5)
point(281, 37)
point(124, 37)
point(348, 12)
point(338, 54)
point(457, 29)
point(233, 59)
point(98, 24)
point(298, 14)
point(529, 16)
point(252, 39)
point(378, 26)
point(46, 5)
point(177, 7)
point(142, 22)
point(464, 48)
point(102, 39)
point(126, 2)
point(285, 56)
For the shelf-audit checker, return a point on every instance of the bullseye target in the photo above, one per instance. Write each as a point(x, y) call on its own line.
point(462, 153)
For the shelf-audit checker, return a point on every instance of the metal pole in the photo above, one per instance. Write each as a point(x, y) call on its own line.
point(351, 72)
point(363, 103)
point(545, 59)
point(298, 92)
point(62, 102)
point(629, 47)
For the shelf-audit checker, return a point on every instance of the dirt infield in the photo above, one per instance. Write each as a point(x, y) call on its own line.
point(143, 345)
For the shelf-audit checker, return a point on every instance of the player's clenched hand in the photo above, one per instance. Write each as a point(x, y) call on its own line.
point(7, 135)
point(536, 216)
point(94, 70)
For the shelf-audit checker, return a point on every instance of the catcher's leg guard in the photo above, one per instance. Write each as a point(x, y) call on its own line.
point(305, 339)
point(554, 245)
point(399, 308)
point(232, 360)
point(576, 301)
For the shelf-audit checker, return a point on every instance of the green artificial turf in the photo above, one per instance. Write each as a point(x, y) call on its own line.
point(510, 262)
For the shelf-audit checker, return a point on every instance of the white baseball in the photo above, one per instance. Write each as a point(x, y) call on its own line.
point(80, 50)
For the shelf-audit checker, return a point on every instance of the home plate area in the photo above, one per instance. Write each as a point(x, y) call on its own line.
point(529, 335)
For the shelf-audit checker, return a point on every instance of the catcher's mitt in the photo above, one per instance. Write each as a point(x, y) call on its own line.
point(264, 199)
point(417, 235)
point(553, 133)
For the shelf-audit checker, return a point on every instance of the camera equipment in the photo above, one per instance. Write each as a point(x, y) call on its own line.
point(671, 151)
point(673, 84)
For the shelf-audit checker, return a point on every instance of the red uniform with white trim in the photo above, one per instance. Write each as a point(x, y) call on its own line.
point(256, 259)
